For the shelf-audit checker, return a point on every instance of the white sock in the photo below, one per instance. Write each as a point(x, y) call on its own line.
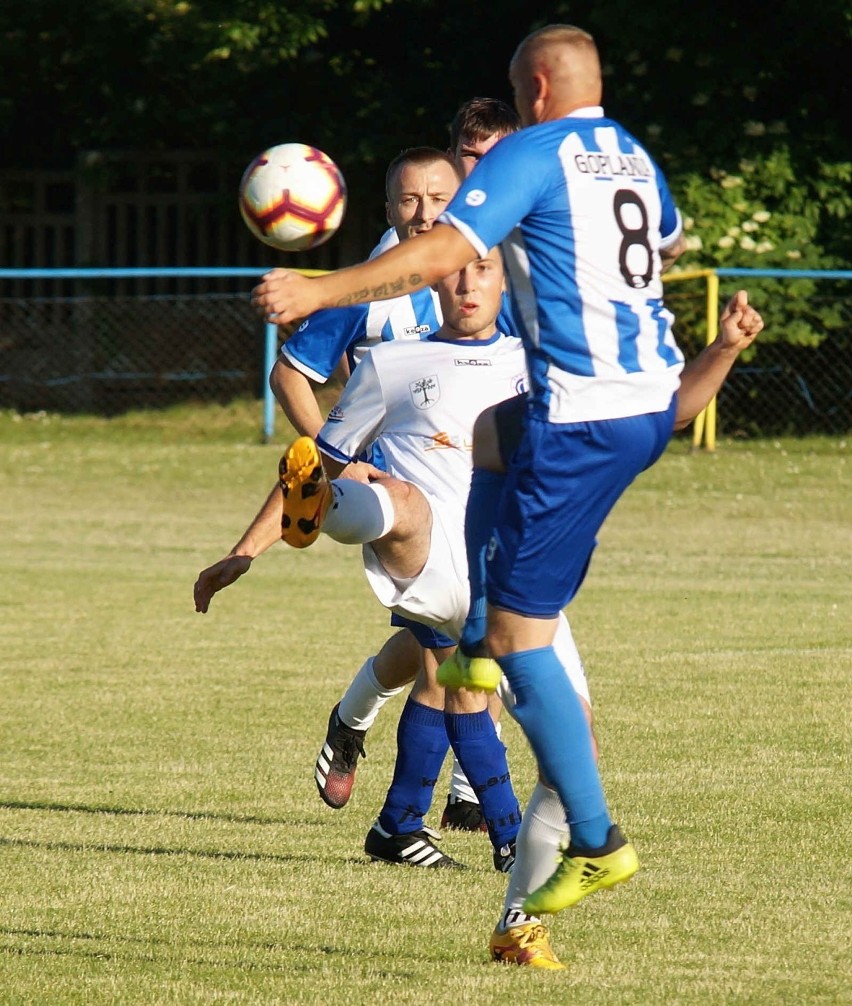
point(460, 788)
point(364, 697)
point(360, 512)
point(540, 839)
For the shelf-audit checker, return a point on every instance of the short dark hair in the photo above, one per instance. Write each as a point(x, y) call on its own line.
point(418, 156)
point(480, 118)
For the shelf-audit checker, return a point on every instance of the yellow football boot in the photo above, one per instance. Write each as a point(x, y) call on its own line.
point(528, 946)
point(477, 674)
point(580, 873)
point(307, 493)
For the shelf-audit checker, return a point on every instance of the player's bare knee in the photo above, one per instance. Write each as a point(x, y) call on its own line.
point(462, 700)
point(412, 514)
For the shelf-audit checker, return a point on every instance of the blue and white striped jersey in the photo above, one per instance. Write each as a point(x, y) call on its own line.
point(320, 342)
point(582, 213)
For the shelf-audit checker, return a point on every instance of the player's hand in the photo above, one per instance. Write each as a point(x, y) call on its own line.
point(218, 576)
point(283, 296)
point(739, 324)
point(362, 471)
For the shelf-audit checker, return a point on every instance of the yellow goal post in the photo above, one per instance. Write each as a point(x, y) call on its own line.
point(704, 426)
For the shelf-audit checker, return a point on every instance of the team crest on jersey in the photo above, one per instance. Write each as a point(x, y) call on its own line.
point(519, 384)
point(336, 415)
point(425, 391)
point(476, 197)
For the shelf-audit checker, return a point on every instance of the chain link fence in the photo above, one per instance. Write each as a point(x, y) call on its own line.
point(796, 379)
point(106, 353)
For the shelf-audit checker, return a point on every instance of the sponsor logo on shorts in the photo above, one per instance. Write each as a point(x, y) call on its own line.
point(336, 415)
point(304, 325)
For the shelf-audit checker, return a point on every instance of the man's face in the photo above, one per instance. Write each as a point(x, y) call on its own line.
point(468, 152)
point(418, 193)
point(471, 298)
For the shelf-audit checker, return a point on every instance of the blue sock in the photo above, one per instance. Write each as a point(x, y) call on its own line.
point(482, 756)
point(421, 746)
point(552, 718)
point(482, 503)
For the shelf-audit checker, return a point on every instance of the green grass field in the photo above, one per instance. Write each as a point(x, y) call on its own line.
point(161, 839)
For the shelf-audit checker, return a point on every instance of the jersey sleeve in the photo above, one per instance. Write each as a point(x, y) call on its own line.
point(671, 223)
point(494, 198)
point(357, 418)
point(318, 344)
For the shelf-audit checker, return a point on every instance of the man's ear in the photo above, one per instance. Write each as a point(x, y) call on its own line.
point(542, 86)
point(542, 91)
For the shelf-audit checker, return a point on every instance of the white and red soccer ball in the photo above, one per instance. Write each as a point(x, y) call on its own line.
point(292, 197)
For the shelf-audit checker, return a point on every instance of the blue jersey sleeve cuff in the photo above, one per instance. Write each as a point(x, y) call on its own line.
point(303, 368)
point(667, 240)
point(462, 228)
point(332, 452)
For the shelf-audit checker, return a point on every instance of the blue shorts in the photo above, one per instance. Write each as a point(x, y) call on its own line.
point(563, 481)
point(428, 637)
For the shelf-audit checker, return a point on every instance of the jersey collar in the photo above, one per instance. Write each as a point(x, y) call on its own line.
point(467, 343)
point(588, 112)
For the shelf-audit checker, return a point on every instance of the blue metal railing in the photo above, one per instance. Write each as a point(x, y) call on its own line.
point(270, 351)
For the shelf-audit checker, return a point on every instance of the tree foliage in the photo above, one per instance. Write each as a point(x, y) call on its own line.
point(745, 111)
point(746, 114)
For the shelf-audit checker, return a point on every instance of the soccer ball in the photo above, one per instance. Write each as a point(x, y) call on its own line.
point(292, 197)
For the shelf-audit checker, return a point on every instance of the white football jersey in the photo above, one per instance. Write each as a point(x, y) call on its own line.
point(419, 401)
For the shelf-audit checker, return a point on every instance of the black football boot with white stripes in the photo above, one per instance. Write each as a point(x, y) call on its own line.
point(417, 848)
point(334, 772)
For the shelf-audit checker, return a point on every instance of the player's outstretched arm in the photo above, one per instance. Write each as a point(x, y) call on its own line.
point(218, 576)
point(284, 296)
point(295, 395)
point(263, 532)
point(739, 326)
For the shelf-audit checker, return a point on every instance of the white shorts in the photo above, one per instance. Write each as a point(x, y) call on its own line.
point(440, 595)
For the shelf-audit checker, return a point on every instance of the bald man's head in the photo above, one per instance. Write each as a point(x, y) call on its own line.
point(554, 71)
